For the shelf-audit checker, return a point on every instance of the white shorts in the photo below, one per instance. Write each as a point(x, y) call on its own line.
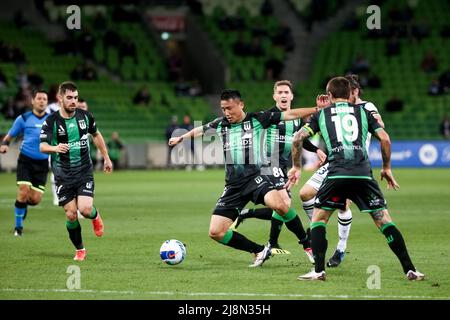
point(318, 177)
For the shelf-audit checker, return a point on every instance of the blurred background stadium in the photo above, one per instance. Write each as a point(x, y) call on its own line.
point(142, 64)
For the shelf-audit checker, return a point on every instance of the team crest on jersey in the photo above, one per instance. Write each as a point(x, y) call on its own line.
point(82, 124)
point(247, 125)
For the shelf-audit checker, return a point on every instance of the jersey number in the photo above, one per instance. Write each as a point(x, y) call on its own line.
point(348, 124)
point(277, 172)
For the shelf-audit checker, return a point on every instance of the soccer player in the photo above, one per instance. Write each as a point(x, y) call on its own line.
point(241, 134)
point(309, 190)
point(344, 127)
point(279, 139)
point(32, 165)
point(53, 107)
point(65, 136)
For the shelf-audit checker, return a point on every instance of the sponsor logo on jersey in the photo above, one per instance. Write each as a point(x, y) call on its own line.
point(78, 144)
point(61, 130)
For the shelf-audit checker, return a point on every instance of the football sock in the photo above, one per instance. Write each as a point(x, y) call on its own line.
point(397, 245)
point(55, 195)
point(276, 223)
point(263, 213)
point(319, 244)
point(294, 224)
point(238, 241)
point(74, 229)
point(344, 225)
point(93, 213)
point(308, 206)
point(19, 212)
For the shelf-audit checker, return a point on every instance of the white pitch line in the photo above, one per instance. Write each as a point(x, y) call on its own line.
point(231, 294)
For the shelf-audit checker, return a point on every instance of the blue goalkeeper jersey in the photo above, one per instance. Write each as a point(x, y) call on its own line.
point(29, 125)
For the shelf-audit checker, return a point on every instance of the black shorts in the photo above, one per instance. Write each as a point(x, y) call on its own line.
point(236, 196)
point(32, 172)
point(278, 177)
point(67, 191)
point(365, 193)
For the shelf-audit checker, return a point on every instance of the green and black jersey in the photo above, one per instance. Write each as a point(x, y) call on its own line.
point(76, 163)
point(279, 141)
point(344, 127)
point(244, 145)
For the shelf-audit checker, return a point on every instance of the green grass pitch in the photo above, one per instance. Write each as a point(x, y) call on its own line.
point(141, 209)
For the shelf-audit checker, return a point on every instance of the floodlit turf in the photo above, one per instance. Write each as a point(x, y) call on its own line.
point(141, 209)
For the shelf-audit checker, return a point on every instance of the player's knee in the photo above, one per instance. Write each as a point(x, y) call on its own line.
point(216, 234)
point(23, 193)
point(86, 211)
point(71, 215)
point(34, 199)
point(281, 208)
point(305, 195)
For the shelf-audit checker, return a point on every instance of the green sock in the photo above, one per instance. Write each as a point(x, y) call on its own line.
point(93, 213)
point(238, 241)
point(74, 230)
point(294, 224)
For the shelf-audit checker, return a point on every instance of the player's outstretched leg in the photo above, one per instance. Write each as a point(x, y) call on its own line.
point(396, 243)
point(220, 232)
point(259, 213)
point(344, 225)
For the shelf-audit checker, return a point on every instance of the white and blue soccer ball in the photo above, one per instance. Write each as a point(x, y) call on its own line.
point(172, 252)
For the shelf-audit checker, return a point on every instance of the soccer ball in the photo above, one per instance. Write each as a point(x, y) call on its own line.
point(172, 252)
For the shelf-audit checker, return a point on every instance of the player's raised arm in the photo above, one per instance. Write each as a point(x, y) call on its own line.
point(321, 102)
point(196, 132)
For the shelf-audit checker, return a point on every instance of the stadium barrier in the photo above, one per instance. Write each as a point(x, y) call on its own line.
point(414, 154)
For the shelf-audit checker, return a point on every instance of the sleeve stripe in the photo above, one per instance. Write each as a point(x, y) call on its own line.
point(311, 132)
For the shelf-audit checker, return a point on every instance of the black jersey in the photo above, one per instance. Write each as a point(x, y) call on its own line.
point(75, 163)
point(244, 145)
point(344, 127)
point(279, 140)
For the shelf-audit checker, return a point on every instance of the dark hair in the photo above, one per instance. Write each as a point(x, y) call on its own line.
point(35, 92)
point(228, 94)
point(81, 100)
point(339, 87)
point(67, 86)
point(354, 82)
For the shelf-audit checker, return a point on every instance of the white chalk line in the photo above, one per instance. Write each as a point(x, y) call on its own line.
point(222, 294)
